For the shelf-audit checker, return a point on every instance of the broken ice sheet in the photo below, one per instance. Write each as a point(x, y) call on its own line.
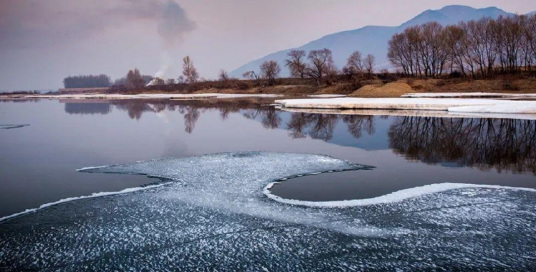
point(214, 216)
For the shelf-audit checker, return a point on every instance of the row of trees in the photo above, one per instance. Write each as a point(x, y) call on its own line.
point(87, 81)
point(317, 64)
point(478, 49)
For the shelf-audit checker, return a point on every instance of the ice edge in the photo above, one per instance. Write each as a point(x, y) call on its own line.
point(393, 197)
point(93, 195)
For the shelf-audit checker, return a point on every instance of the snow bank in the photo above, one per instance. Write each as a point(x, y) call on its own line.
point(465, 95)
point(436, 104)
point(414, 113)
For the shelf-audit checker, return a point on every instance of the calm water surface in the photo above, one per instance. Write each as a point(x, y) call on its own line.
point(38, 162)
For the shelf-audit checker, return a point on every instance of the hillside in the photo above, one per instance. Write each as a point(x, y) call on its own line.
point(374, 39)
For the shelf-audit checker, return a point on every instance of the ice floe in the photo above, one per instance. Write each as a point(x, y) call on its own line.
point(416, 113)
point(437, 104)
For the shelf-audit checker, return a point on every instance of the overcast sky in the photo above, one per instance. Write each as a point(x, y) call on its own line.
point(42, 41)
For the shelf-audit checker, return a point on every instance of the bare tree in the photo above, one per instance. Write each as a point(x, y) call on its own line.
point(270, 70)
point(223, 76)
point(477, 48)
point(321, 64)
point(170, 81)
point(181, 80)
point(369, 64)
point(354, 65)
point(189, 70)
point(296, 63)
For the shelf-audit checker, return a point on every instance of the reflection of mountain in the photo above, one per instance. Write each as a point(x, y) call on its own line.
point(485, 143)
point(87, 108)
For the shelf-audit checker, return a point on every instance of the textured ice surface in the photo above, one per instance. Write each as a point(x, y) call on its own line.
point(213, 216)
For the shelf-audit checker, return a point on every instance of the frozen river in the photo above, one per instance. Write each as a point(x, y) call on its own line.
point(242, 186)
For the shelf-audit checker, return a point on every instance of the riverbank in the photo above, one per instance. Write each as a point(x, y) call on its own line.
point(378, 87)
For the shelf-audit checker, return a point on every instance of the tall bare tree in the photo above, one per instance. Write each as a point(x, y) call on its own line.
point(354, 64)
point(369, 64)
point(478, 48)
point(270, 70)
point(188, 70)
point(296, 63)
point(223, 75)
point(321, 64)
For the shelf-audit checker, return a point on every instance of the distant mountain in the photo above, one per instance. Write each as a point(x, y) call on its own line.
point(374, 39)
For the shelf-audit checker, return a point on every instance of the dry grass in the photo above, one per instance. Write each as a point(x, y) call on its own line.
point(360, 88)
point(393, 89)
point(403, 86)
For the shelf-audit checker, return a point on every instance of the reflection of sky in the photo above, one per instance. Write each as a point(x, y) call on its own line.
point(38, 162)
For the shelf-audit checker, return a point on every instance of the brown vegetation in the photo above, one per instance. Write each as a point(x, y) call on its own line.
point(479, 49)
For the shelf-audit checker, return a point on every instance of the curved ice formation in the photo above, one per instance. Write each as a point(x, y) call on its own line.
point(213, 215)
point(233, 182)
point(69, 199)
point(393, 197)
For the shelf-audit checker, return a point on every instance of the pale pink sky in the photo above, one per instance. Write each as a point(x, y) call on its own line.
point(42, 41)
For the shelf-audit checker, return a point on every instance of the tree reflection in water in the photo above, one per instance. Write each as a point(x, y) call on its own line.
point(317, 126)
point(502, 144)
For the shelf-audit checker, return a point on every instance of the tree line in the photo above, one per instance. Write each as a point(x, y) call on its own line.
point(479, 49)
point(87, 81)
point(317, 64)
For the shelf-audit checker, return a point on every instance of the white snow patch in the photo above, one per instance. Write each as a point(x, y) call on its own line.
point(415, 113)
point(504, 108)
point(437, 104)
point(475, 94)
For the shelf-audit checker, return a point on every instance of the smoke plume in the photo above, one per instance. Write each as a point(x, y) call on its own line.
point(173, 25)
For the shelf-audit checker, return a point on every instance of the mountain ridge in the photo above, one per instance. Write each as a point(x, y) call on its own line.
point(373, 39)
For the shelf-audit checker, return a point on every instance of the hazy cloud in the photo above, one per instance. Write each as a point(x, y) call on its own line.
point(38, 23)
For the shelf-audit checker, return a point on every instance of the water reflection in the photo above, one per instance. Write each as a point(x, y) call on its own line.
point(269, 117)
point(88, 108)
point(502, 144)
